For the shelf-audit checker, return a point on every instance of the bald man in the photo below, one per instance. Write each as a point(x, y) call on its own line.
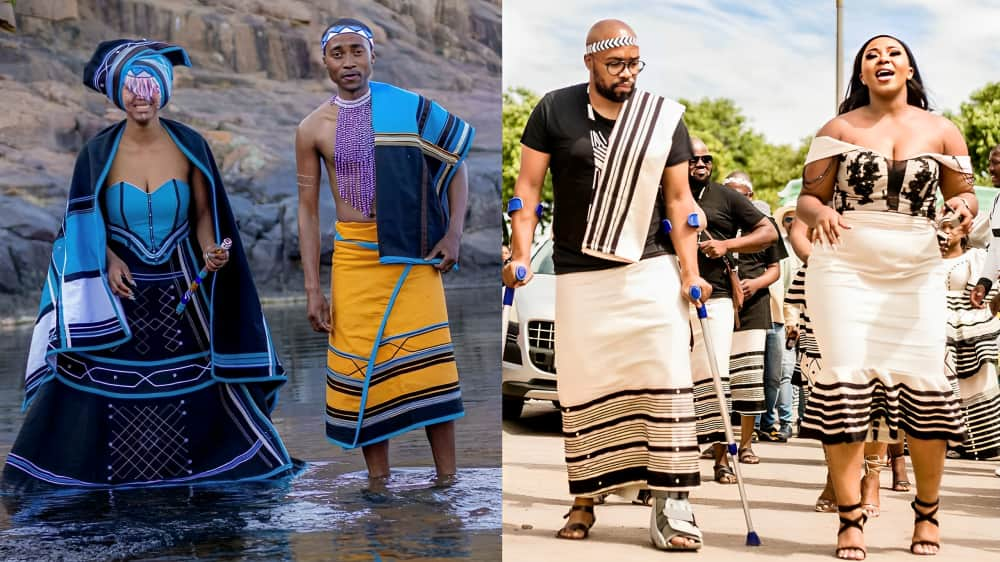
point(734, 226)
point(621, 310)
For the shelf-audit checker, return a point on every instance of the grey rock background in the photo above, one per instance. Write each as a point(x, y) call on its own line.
point(256, 73)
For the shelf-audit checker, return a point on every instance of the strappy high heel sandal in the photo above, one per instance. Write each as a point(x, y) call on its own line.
point(900, 482)
point(929, 517)
point(873, 466)
point(856, 523)
point(568, 528)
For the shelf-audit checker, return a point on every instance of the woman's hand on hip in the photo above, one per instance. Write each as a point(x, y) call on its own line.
point(829, 224)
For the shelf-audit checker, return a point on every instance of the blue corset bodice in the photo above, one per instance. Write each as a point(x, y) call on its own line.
point(149, 224)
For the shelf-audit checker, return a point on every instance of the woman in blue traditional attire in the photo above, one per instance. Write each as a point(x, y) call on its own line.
point(126, 388)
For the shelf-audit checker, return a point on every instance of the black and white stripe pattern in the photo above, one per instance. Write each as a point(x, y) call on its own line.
point(625, 379)
point(971, 356)
point(867, 409)
point(720, 319)
point(746, 371)
point(613, 43)
point(981, 413)
point(808, 358)
point(709, 426)
point(631, 437)
point(627, 177)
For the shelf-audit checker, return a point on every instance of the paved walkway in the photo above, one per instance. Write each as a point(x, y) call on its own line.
point(782, 490)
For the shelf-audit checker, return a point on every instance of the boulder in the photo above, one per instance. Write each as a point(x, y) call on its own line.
point(53, 10)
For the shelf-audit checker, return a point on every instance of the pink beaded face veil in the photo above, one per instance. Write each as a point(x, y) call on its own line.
point(142, 84)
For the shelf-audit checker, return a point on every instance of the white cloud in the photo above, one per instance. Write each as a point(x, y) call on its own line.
point(774, 59)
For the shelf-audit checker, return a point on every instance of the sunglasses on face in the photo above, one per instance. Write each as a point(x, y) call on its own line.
point(788, 220)
point(706, 159)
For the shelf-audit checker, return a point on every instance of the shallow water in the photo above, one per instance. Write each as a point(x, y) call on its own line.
point(326, 513)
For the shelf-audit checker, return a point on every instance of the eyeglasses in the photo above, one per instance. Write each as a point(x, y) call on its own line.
point(706, 159)
point(788, 220)
point(616, 67)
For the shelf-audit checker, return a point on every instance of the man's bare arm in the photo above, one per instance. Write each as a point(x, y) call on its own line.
point(534, 165)
point(307, 164)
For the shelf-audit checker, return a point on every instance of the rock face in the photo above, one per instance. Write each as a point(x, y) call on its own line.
point(257, 71)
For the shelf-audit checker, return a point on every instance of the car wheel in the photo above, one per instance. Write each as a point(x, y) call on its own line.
point(511, 407)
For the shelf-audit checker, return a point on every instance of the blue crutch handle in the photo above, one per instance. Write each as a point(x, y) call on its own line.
point(508, 293)
point(693, 220)
point(666, 226)
point(695, 293)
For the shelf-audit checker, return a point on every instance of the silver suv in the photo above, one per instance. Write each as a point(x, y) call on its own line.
point(529, 368)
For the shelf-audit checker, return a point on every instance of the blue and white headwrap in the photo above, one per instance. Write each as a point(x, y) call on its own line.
point(347, 25)
point(147, 66)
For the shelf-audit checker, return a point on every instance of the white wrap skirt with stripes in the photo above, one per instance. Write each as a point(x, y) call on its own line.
point(877, 305)
point(624, 379)
point(971, 356)
point(807, 361)
point(740, 356)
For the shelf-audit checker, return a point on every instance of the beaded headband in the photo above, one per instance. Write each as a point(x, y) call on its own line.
point(613, 43)
point(349, 26)
point(738, 181)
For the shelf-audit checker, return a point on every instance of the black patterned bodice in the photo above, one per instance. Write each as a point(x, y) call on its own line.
point(868, 181)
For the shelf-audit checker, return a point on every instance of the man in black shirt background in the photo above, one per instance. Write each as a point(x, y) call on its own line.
point(728, 214)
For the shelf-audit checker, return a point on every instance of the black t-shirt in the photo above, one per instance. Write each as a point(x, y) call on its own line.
point(728, 212)
point(756, 312)
point(559, 127)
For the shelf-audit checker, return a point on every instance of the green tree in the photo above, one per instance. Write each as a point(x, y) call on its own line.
point(517, 106)
point(718, 122)
point(979, 121)
point(735, 146)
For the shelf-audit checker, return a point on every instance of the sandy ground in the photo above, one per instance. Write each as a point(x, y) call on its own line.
point(782, 491)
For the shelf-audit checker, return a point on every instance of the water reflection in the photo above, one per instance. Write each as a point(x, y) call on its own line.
point(324, 514)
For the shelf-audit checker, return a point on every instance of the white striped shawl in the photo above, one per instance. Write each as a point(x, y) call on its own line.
point(627, 177)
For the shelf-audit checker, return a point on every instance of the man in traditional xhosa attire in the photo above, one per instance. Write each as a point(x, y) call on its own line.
point(618, 158)
point(123, 386)
point(390, 364)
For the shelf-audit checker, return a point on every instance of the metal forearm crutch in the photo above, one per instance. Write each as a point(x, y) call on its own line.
point(515, 204)
point(508, 299)
point(752, 538)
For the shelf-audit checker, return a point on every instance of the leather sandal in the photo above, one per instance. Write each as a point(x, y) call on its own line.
point(928, 517)
point(724, 474)
point(747, 456)
point(568, 528)
point(873, 466)
point(847, 523)
point(900, 483)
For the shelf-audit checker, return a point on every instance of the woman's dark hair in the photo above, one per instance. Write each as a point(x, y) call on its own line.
point(857, 93)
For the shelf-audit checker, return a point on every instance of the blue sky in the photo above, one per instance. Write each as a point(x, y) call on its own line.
point(774, 58)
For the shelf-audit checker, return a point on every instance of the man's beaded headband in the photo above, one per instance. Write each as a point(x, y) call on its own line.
point(736, 180)
point(338, 29)
point(613, 43)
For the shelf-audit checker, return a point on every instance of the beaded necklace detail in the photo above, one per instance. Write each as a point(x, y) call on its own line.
point(354, 153)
